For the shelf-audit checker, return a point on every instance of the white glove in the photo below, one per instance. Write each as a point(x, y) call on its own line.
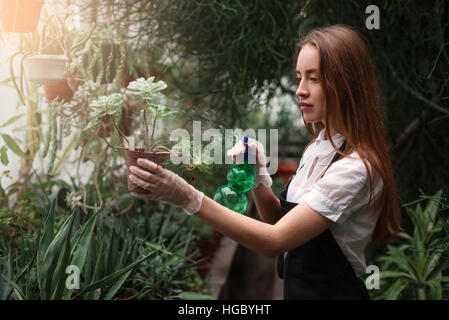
point(255, 148)
point(165, 186)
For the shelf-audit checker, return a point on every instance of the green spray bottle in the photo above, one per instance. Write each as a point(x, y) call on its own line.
point(240, 180)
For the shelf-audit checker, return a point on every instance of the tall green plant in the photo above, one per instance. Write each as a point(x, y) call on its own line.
point(418, 262)
point(57, 252)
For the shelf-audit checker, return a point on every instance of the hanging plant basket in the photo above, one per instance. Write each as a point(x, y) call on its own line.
point(45, 68)
point(160, 158)
point(20, 15)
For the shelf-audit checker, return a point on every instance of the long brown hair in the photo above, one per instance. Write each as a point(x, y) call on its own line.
point(353, 109)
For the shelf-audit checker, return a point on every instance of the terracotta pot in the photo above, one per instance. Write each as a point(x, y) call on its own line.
point(160, 158)
point(20, 15)
point(62, 90)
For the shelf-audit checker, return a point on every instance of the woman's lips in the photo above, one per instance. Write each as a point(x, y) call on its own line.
point(305, 106)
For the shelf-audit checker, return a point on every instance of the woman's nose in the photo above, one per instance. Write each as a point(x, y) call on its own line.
point(302, 91)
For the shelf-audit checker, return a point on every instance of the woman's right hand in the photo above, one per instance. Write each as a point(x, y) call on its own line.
point(255, 148)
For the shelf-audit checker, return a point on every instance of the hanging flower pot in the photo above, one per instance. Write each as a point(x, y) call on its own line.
point(160, 158)
point(45, 68)
point(62, 91)
point(20, 15)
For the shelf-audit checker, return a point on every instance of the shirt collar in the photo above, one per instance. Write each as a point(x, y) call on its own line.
point(324, 147)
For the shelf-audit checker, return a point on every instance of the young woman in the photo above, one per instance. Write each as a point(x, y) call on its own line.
point(343, 194)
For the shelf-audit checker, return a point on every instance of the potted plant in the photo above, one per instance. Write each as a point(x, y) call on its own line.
point(48, 52)
point(146, 94)
point(62, 91)
point(20, 15)
point(45, 68)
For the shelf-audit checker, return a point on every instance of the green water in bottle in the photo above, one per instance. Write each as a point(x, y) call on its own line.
point(240, 180)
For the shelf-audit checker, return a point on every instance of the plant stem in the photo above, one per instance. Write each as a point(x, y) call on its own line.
point(152, 132)
point(147, 145)
point(122, 135)
point(111, 146)
point(80, 181)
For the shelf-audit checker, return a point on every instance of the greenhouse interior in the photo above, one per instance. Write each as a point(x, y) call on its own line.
point(153, 150)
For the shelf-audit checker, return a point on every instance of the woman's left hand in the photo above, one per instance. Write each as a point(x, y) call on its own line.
point(165, 186)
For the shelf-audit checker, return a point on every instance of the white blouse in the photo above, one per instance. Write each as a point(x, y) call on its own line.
point(341, 195)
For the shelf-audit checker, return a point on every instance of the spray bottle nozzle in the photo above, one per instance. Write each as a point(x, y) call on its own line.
point(245, 156)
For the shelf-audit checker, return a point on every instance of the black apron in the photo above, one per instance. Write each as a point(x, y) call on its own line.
point(318, 269)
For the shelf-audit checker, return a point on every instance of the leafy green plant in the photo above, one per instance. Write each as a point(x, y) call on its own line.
point(418, 262)
point(107, 248)
point(171, 274)
point(146, 93)
point(57, 252)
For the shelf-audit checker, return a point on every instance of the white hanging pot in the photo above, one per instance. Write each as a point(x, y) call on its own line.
point(45, 68)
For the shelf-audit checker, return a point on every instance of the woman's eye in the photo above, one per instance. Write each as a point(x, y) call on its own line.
point(298, 79)
point(314, 79)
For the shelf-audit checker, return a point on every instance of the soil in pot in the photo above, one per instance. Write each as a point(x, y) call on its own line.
point(160, 158)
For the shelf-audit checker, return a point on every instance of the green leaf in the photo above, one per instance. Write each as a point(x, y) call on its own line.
point(441, 266)
point(47, 238)
point(55, 257)
point(432, 264)
point(81, 245)
point(108, 280)
point(18, 292)
point(117, 286)
point(431, 210)
point(186, 295)
point(436, 291)
point(421, 293)
point(4, 155)
point(13, 146)
point(159, 248)
point(58, 283)
point(12, 120)
point(394, 274)
point(395, 290)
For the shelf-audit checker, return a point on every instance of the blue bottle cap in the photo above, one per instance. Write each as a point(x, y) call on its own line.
point(245, 141)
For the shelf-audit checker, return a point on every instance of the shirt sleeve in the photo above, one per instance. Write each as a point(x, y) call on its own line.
point(343, 189)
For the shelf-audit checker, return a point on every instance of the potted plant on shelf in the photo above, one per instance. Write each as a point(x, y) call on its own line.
point(146, 94)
